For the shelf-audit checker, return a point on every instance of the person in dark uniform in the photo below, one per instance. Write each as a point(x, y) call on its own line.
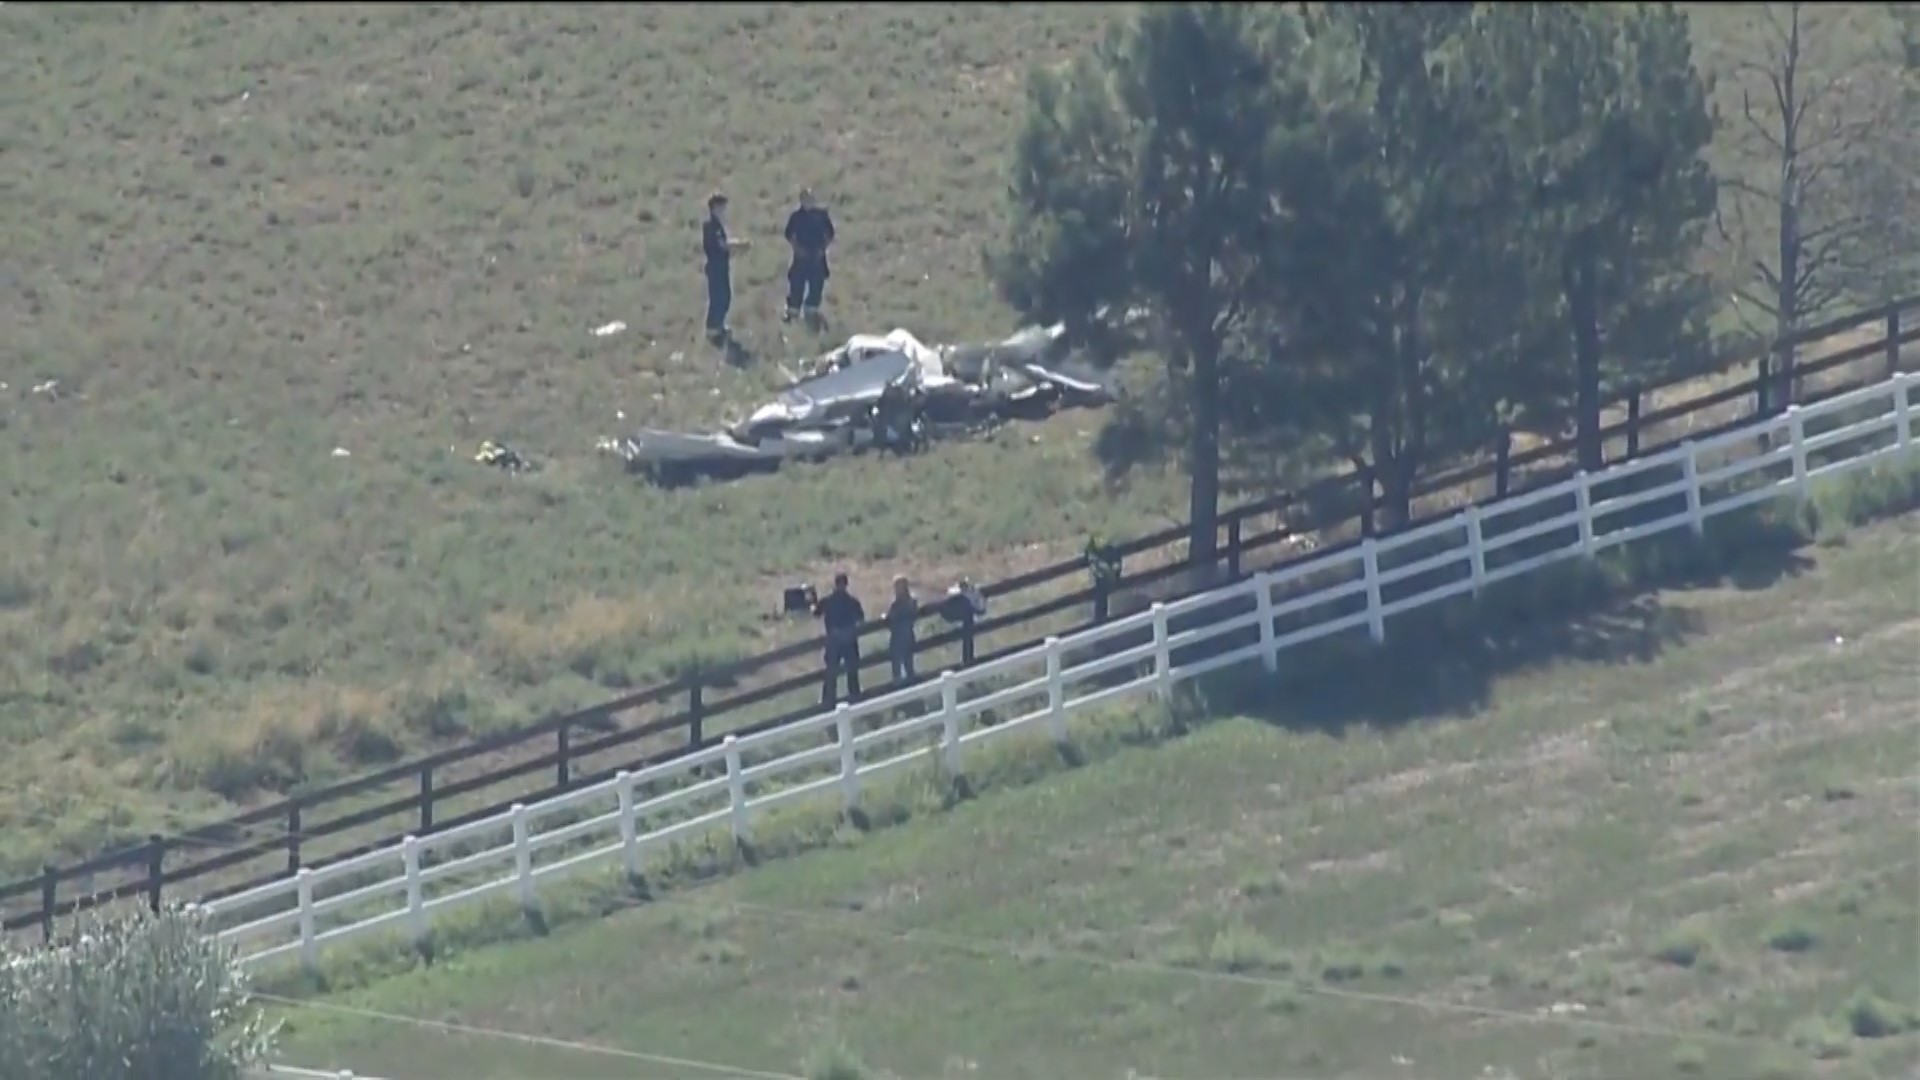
point(810, 232)
point(719, 249)
point(841, 614)
point(900, 639)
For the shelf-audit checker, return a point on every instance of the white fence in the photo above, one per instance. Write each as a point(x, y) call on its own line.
point(639, 815)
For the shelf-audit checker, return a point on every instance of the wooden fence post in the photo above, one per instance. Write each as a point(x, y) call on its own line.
point(563, 757)
point(966, 638)
point(1893, 341)
point(156, 854)
point(696, 710)
point(1233, 548)
point(1368, 497)
point(1503, 464)
point(1633, 422)
point(49, 886)
point(426, 799)
point(293, 839)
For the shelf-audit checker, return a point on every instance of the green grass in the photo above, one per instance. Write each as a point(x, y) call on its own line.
point(240, 237)
point(1629, 864)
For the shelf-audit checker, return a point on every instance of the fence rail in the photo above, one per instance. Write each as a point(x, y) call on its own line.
point(451, 789)
point(273, 1071)
point(728, 788)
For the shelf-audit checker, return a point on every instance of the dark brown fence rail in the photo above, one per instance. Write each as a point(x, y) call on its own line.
point(461, 784)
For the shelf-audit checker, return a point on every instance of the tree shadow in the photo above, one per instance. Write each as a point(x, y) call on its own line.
point(1432, 675)
point(1445, 662)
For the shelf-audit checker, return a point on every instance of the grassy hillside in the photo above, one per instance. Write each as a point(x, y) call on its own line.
point(1687, 853)
point(241, 239)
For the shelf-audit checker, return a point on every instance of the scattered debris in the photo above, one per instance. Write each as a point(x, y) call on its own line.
point(50, 388)
point(609, 329)
point(341, 451)
point(501, 456)
point(891, 392)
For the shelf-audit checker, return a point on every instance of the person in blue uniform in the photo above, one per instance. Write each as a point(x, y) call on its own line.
point(719, 249)
point(841, 613)
point(810, 233)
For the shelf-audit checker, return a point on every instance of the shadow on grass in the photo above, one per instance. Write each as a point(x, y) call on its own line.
point(1441, 674)
point(1445, 661)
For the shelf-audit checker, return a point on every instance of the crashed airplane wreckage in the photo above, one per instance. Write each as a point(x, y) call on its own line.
point(890, 393)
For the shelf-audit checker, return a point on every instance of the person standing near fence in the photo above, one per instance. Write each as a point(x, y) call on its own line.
point(901, 615)
point(841, 615)
point(810, 232)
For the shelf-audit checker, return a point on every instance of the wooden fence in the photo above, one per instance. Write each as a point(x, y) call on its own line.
point(479, 780)
point(724, 793)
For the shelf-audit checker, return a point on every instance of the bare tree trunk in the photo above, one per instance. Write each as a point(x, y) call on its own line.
point(1580, 280)
point(1203, 510)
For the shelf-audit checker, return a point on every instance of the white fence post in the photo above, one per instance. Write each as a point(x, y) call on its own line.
point(416, 903)
point(736, 793)
point(1690, 466)
point(1370, 565)
point(1056, 693)
point(950, 723)
point(1162, 655)
point(1902, 408)
point(1583, 506)
point(849, 763)
point(1797, 430)
point(1263, 602)
point(303, 892)
point(522, 856)
point(1476, 549)
point(629, 828)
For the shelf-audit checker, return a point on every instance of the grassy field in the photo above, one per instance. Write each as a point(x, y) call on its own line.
point(1688, 852)
point(241, 239)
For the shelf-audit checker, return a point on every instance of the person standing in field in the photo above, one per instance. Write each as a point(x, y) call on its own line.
point(719, 249)
point(810, 233)
point(841, 614)
point(901, 615)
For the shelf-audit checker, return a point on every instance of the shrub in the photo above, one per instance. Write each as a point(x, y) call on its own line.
point(1238, 949)
point(834, 1060)
point(1870, 1016)
point(131, 998)
point(1684, 946)
point(1789, 936)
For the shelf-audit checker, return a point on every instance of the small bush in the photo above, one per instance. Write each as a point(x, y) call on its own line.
point(1873, 1017)
point(1684, 946)
point(1820, 1037)
point(1689, 1059)
point(1242, 949)
point(1257, 886)
point(834, 1060)
point(1284, 1000)
point(1345, 963)
point(1791, 937)
point(131, 998)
